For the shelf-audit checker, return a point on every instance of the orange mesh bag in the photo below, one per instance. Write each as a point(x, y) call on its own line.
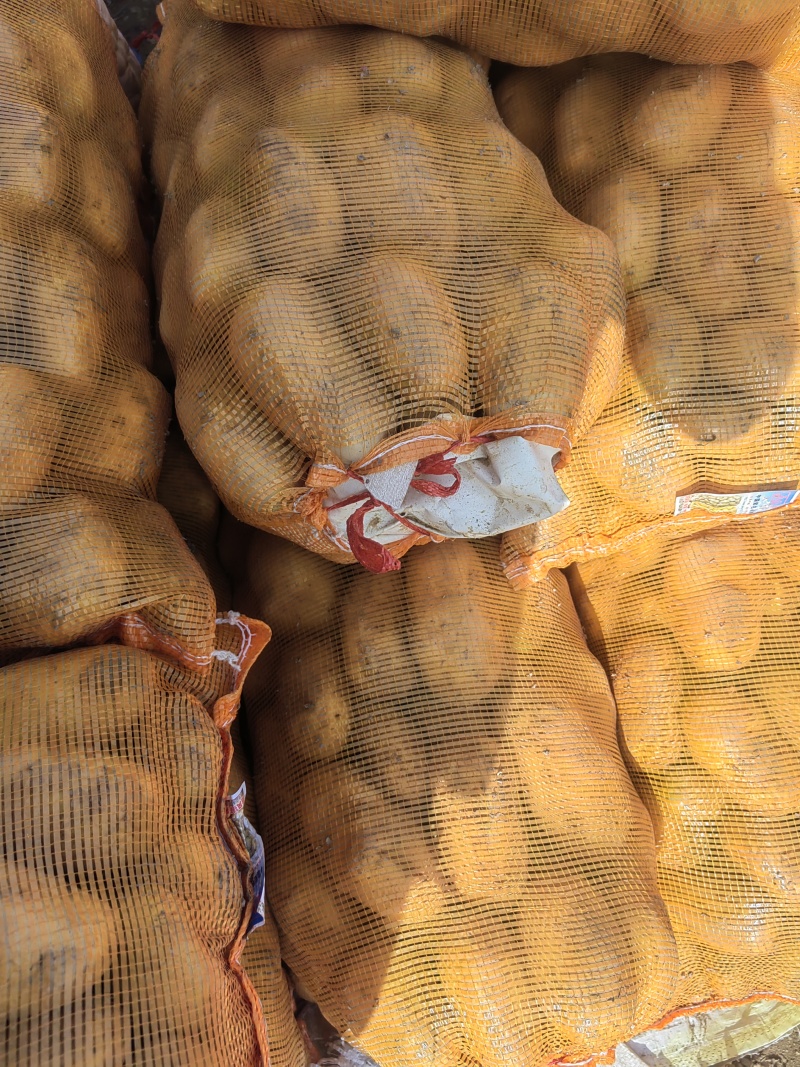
point(461, 871)
point(695, 174)
point(384, 328)
point(85, 550)
point(542, 32)
point(701, 637)
point(125, 890)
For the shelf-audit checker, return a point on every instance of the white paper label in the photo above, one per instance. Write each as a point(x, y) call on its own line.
point(736, 503)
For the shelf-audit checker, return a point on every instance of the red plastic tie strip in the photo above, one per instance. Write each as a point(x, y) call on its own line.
point(436, 465)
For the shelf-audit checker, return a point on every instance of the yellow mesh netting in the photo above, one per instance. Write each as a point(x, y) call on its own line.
point(695, 173)
point(460, 868)
point(85, 550)
point(359, 268)
point(124, 893)
point(700, 635)
point(542, 32)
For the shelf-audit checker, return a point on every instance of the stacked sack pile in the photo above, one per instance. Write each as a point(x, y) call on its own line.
point(510, 815)
point(379, 321)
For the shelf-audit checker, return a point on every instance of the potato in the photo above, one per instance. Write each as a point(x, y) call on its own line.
point(687, 808)
point(346, 820)
point(636, 456)
point(666, 348)
point(55, 944)
point(390, 750)
point(33, 167)
point(734, 739)
point(704, 261)
point(717, 601)
point(29, 425)
point(481, 837)
point(455, 633)
point(758, 154)
point(219, 258)
point(407, 328)
point(768, 851)
point(755, 359)
point(83, 315)
point(219, 136)
point(551, 739)
point(77, 584)
point(711, 16)
point(199, 870)
point(371, 996)
point(174, 981)
point(598, 24)
point(523, 98)
point(485, 975)
point(589, 993)
point(75, 86)
point(626, 205)
point(397, 190)
point(314, 918)
point(279, 50)
point(722, 632)
point(586, 118)
point(108, 212)
point(246, 460)
point(676, 116)
point(777, 535)
point(723, 909)
point(305, 95)
point(96, 817)
point(541, 317)
point(379, 663)
point(291, 207)
point(311, 700)
point(648, 684)
point(286, 348)
point(194, 762)
point(292, 589)
point(430, 78)
point(382, 879)
point(121, 441)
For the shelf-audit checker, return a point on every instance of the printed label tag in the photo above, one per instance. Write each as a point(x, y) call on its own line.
point(736, 503)
point(255, 846)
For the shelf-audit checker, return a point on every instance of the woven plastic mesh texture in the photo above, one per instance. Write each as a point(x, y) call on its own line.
point(122, 891)
point(461, 871)
point(364, 251)
point(700, 636)
point(84, 548)
point(543, 32)
point(186, 493)
point(695, 173)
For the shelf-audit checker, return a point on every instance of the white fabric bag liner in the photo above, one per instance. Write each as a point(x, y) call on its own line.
point(505, 484)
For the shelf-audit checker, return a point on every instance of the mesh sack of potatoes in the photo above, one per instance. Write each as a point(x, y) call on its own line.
point(384, 328)
point(543, 32)
point(85, 550)
point(459, 866)
point(701, 637)
point(695, 174)
point(125, 892)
